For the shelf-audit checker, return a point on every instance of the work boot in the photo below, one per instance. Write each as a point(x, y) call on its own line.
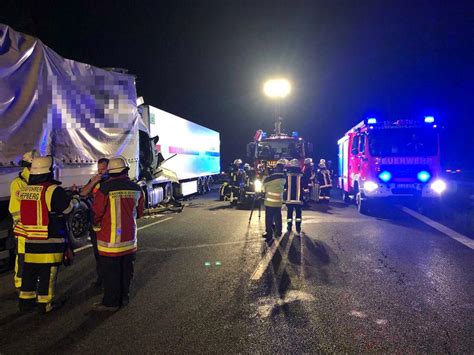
point(99, 307)
point(267, 236)
point(44, 308)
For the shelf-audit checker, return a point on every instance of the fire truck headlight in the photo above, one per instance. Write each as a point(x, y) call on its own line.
point(258, 185)
point(423, 176)
point(385, 176)
point(438, 186)
point(370, 186)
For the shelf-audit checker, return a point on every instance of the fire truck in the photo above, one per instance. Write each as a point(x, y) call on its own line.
point(390, 160)
point(265, 150)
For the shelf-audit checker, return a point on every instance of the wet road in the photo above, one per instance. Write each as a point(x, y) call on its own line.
point(205, 281)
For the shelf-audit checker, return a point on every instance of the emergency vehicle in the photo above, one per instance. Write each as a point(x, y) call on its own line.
point(390, 159)
point(265, 151)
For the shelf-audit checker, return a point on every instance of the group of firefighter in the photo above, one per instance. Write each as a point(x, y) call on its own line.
point(287, 183)
point(39, 207)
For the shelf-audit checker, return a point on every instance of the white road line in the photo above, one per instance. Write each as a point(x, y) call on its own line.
point(139, 228)
point(438, 226)
point(202, 245)
point(83, 248)
point(152, 224)
point(267, 258)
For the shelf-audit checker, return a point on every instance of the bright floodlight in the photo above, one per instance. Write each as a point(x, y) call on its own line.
point(277, 88)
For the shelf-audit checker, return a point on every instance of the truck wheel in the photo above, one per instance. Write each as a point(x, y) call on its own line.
point(347, 197)
point(167, 192)
point(199, 186)
point(362, 204)
point(79, 225)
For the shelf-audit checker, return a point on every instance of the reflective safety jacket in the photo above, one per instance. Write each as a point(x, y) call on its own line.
point(41, 222)
point(273, 186)
point(14, 206)
point(308, 176)
point(324, 178)
point(117, 205)
point(293, 186)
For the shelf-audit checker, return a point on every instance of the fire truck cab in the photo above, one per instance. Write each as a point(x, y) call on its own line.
point(390, 159)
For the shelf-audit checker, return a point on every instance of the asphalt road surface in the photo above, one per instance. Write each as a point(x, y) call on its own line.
point(205, 281)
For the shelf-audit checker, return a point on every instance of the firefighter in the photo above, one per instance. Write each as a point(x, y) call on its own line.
point(14, 207)
point(237, 178)
point(307, 180)
point(273, 187)
point(325, 181)
point(293, 194)
point(89, 191)
point(116, 206)
point(43, 204)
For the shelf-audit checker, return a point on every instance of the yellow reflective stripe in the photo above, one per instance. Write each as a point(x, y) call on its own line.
point(45, 241)
point(21, 245)
point(49, 195)
point(116, 250)
point(27, 295)
point(274, 193)
point(35, 228)
point(44, 258)
point(113, 224)
point(52, 281)
point(273, 200)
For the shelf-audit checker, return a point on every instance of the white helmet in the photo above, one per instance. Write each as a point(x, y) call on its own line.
point(237, 161)
point(282, 162)
point(322, 163)
point(246, 166)
point(308, 161)
point(294, 163)
point(117, 165)
point(41, 165)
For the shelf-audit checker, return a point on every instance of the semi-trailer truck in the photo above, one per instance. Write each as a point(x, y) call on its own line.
point(79, 113)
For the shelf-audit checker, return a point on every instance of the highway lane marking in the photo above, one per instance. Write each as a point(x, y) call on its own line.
point(201, 245)
point(266, 259)
point(152, 224)
point(139, 228)
point(441, 228)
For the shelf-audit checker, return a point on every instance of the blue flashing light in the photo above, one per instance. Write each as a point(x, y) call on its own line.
point(372, 120)
point(423, 176)
point(264, 135)
point(429, 119)
point(385, 176)
point(294, 134)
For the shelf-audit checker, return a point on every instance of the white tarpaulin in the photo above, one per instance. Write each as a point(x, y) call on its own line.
point(74, 111)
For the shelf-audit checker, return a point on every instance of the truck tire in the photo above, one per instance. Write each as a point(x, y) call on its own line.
point(363, 205)
point(167, 192)
point(79, 224)
point(200, 188)
point(347, 197)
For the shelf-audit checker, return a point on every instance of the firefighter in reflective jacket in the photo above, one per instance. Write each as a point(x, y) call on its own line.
point(237, 180)
point(14, 207)
point(42, 206)
point(273, 187)
point(325, 181)
point(117, 205)
point(293, 194)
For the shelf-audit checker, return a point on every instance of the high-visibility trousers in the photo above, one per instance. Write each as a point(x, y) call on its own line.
point(38, 284)
point(19, 260)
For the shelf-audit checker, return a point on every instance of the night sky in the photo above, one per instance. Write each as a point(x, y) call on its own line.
point(207, 60)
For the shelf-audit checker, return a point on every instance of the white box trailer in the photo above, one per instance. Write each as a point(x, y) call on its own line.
point(189, 150)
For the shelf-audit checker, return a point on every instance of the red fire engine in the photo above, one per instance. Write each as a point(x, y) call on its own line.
point(265, 151)
point(382, 159)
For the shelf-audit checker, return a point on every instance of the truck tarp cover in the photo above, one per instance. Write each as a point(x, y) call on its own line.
point(74, 111)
